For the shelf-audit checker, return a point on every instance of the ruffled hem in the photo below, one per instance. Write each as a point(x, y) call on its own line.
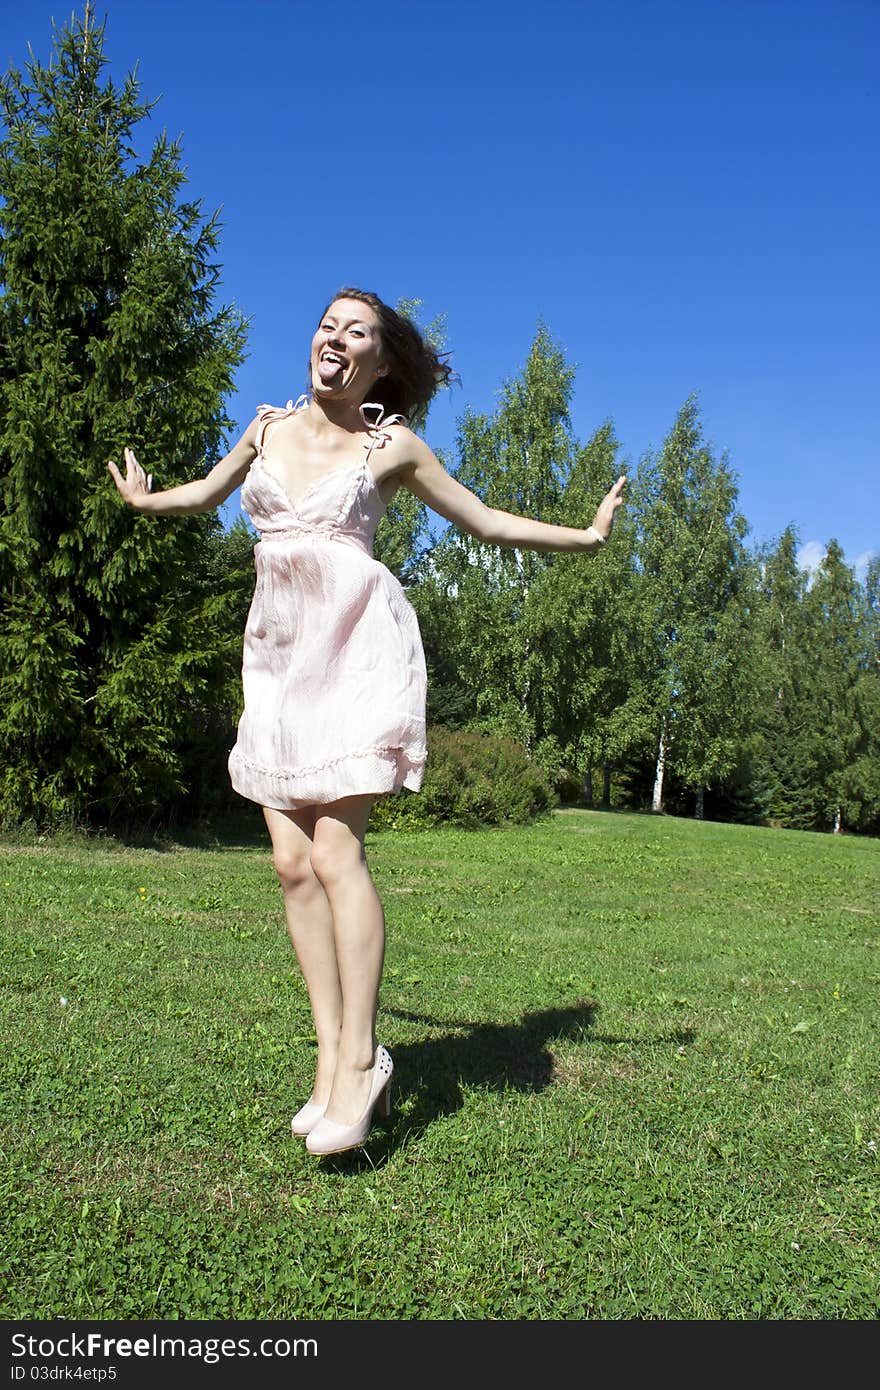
point(376, 771)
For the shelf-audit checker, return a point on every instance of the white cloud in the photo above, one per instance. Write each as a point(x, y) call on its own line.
point(811, 555)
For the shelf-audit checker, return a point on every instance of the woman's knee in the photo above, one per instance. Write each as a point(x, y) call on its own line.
point(293, 867)
point(334, 858)
point(291, 833)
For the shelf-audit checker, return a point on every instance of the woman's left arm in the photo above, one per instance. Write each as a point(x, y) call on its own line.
point(426, 477)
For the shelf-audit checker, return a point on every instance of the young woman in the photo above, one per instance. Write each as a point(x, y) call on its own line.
point(333, 670)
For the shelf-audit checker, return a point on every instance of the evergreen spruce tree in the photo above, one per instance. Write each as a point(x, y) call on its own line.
point(872, 614)
point(845, 703)
point(862, 780)
point(214, 706)
point(109, 335)
point(785, 761)
point(818, 732)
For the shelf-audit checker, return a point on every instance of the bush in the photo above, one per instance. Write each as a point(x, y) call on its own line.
point(470, 780)
point(569, 786)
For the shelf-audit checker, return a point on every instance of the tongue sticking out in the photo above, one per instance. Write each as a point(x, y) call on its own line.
point(329, 372)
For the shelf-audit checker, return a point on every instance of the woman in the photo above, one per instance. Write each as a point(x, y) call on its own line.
point(333, 669)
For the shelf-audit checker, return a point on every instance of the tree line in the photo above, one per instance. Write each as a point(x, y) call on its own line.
point(683, 667)
point(680, 668)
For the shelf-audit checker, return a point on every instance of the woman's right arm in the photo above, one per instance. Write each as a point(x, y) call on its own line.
point(199, 496)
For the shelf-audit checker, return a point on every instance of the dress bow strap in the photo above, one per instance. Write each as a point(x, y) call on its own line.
point(267, 413)
point(292, 407)
point(378, 426)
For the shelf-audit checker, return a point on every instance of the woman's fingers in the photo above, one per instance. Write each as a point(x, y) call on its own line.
point(121, 483)
point(615, 494)
point(604, 519)
point(133, 468)
point(141, 476)
point(135, 481)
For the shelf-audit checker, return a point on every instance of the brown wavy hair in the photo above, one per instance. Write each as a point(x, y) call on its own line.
point(416, 370)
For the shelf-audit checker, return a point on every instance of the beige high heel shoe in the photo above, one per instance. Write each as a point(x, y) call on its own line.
point(304, 1120)
point(328, 1137)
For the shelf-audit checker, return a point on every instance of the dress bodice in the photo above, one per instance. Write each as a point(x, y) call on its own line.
point(343, 504)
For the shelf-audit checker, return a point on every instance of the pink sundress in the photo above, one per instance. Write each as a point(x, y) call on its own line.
point(333, 667)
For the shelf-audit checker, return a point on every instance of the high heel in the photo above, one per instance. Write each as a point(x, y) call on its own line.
point(328, 1137)
point(304, 1120)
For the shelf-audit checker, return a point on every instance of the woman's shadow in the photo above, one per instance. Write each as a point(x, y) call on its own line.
point(429, 1074)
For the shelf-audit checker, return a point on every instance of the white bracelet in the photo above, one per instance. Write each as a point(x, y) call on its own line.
point(591, 531)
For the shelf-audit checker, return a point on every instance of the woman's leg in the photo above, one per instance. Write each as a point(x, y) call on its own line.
point(339, 861)
point(310, 926)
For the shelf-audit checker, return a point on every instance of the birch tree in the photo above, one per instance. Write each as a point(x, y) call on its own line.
point(482, 596)
point(693, 602)
point(578, 622)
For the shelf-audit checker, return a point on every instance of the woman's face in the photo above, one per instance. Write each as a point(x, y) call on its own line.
point(346, 356)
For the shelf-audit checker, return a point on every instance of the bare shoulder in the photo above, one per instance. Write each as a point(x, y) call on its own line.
point(246, 447)
point(232, 469)
point(251, 433)
point(408, 450)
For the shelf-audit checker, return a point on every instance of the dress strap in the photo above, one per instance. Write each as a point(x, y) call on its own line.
point(378, 427)
point(268, 414)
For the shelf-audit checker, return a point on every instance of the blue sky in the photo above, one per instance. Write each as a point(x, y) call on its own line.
point(686, 194)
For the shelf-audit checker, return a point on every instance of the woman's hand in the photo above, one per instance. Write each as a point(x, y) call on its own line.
point(136, 485)
point(604, 518)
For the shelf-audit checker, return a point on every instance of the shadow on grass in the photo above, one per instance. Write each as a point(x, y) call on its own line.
point(243, 830)
point(431, 1073)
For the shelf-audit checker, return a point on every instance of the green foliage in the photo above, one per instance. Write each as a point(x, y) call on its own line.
point(844, 692)
point(109, 335)
point(471, 779)
point(676, 658)
point(212, 718)
point(403, 535)
point(691, 603)
point(818, 746)
point(572, 620)
point(517, 640)
point(684, 669)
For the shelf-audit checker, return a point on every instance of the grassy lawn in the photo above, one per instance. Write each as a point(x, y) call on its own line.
point(635, 1063)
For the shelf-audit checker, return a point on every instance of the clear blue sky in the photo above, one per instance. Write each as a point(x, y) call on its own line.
point(686, 193)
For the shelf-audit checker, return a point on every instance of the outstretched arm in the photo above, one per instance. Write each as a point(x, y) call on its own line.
point(426, 477)
point(198, 496)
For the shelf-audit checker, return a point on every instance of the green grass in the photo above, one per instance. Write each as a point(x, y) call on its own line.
point(635, 1064)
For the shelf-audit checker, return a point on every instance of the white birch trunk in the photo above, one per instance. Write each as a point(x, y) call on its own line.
point(838, 821)
point(524, 689)
point(657, 800)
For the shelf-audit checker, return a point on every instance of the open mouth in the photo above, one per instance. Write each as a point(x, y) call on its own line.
point(330, 367)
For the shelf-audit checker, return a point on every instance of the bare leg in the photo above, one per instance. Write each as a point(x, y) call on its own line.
point(310, 926)
point(339, 861)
